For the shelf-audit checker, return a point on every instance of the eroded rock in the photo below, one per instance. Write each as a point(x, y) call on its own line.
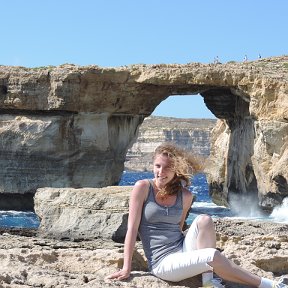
point(71, 126)
point(33, 261)
point(86, 213)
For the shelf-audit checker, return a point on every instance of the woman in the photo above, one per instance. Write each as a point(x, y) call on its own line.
point(157, 210)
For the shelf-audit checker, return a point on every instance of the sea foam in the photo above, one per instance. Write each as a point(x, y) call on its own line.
point(280, 213)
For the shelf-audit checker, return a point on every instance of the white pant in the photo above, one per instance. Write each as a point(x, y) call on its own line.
point(187, 262)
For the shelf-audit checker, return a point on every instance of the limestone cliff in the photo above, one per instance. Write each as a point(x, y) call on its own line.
point(71, 126)
point(191, 134)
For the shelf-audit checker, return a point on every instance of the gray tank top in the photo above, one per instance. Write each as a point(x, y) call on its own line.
point(159, 228)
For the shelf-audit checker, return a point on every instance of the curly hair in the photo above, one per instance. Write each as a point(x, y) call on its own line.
point(183, 163)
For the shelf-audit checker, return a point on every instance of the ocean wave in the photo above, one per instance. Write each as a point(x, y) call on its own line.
point(280, 213)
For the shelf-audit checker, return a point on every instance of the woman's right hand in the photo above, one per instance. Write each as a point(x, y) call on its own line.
point(137, 199)
point(119, 275)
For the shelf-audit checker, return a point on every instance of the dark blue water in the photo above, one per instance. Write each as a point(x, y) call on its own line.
point(18, 219)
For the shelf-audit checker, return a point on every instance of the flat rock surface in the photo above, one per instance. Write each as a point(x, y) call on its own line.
point(28, 260)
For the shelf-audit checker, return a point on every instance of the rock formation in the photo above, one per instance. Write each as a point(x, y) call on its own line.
point(79, 251)
point(71, 126)
point(191, 134)
point(86, 213)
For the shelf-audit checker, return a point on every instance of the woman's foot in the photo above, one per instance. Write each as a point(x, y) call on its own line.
point(282, 283)
point(216, 283)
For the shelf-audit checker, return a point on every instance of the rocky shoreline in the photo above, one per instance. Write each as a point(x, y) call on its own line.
point(30, 260)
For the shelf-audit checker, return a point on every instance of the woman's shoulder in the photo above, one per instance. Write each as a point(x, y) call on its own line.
point(141, 189)
point(187, 194)
point(142, 186)
point(143, 183)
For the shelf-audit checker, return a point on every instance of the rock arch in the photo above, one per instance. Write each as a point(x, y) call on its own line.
point(71, 126)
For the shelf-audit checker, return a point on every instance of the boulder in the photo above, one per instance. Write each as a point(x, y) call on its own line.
point(87, 213)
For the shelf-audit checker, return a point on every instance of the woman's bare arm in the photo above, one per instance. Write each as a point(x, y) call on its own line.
point(137, 198)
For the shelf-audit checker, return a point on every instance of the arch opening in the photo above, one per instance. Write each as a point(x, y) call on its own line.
point(226, 104)
point(184, 106)
point(182, 119)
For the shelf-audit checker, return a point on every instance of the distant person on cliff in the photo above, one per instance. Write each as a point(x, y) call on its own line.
point(157, 210)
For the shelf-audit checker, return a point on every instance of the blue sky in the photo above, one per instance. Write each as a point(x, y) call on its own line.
point(113, 33)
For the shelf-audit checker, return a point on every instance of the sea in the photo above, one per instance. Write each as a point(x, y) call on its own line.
point(202, 205)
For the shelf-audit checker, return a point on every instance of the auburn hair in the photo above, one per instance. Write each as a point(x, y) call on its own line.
point(183, 163)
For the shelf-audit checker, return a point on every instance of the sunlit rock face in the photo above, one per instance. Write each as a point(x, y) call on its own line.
point(63, 149)
point(71, 126)
point(248, 161)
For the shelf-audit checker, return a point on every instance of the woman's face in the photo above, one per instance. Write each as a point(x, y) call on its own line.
point(163, 171)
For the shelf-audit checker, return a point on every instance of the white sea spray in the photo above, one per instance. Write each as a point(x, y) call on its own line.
point(280, 213)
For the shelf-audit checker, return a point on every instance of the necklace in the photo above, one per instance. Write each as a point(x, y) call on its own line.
point(163, 202)
point(162, 198)
point(167, 210)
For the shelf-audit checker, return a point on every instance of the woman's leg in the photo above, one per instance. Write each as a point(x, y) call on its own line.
point(206, 238)
point(201, 234)
point(182, 265)
point(207, 235)
point(228, 270)
point(199, 244)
